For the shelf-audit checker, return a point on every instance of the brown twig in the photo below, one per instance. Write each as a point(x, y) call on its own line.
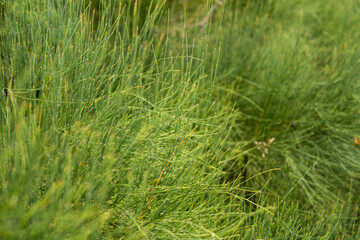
point(166, 165)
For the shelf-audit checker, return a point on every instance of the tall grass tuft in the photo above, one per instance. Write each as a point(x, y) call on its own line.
point(96, 117)
point(167, 120)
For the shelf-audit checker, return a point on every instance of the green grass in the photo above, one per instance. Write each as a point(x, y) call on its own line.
point(296, 81)
point(161, 119)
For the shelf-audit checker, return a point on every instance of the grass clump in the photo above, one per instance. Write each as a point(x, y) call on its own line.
point(146, 120)
point(296, 82)
point(92, 112)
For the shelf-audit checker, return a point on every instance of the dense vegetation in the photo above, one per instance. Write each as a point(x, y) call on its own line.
point(169, 119)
